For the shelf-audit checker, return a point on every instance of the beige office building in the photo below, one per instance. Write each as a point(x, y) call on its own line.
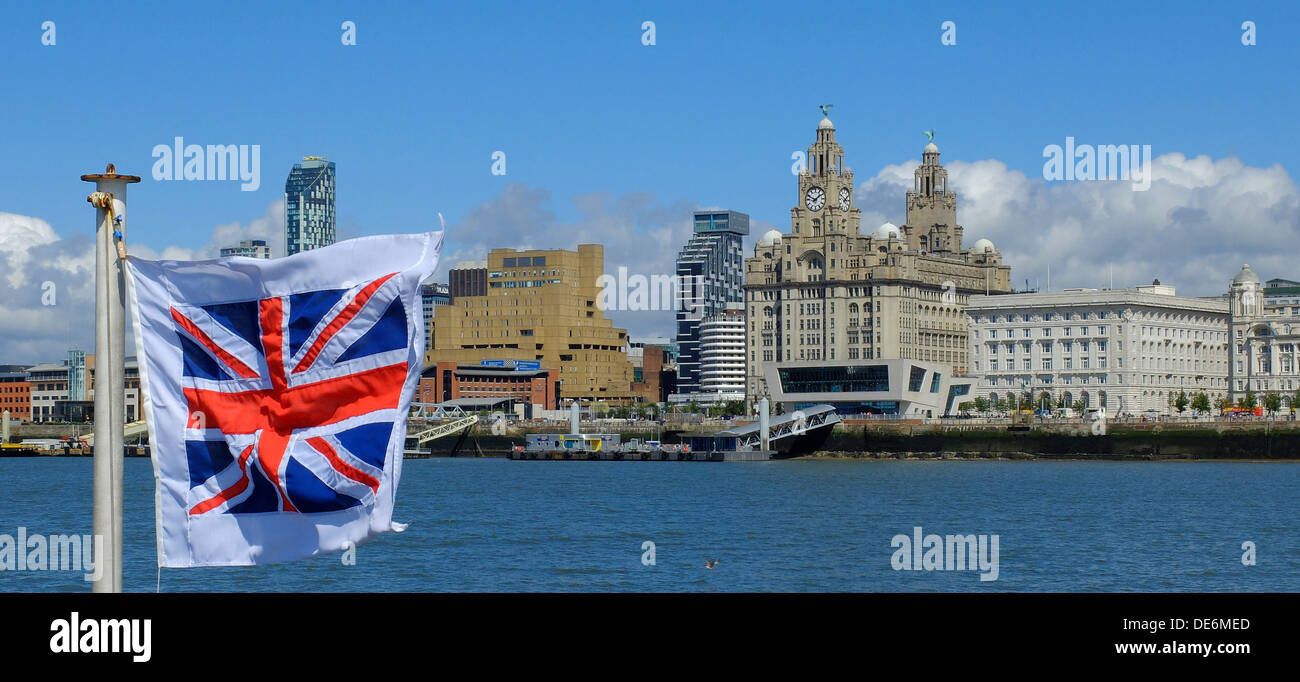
point(1125, 351)
point(825, 291)
point(540, 306)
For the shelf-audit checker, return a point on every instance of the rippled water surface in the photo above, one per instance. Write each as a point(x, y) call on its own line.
point(497, 525)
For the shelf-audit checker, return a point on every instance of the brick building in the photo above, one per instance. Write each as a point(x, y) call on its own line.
point(16, 395)
point(535, 389)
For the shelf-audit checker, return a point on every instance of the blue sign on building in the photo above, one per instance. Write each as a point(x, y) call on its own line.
point(491, 363)
point(527, 365)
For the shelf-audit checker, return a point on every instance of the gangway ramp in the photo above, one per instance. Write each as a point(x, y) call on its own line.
point(817, 420)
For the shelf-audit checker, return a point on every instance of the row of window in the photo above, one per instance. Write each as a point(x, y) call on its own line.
point(1047, 347)
point(1047, 364)
point(1045, 332)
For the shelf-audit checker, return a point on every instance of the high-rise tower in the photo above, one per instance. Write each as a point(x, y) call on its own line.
point(309, 205)
point(710, 273)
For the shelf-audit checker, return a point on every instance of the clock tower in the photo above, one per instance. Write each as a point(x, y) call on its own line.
point(825, 202)
point(932, 208)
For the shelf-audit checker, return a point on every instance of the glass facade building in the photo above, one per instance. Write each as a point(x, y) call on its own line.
point(309, 206)
point(433, 294)
point(77, 389)
point(710, 274)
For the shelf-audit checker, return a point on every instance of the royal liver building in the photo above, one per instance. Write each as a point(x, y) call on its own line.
point(827, 292)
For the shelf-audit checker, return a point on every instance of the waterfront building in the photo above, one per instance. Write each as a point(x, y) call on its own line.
point(828, 292)
point(527, 388)
point(1123, 350)
point(432, 294)
point(722, 354)
point(15, 392)
point(77, 376)
point(468, 278)
point(710, 274)
point(309, 205)
point(49, 383)
point(1282, 292)
point(654, 367)
point(1265, 335)
point(540, 306)
point(248, 248)
point(130, 390)
point(903, 388)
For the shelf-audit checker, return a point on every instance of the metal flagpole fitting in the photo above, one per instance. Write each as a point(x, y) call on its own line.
point(109, 200)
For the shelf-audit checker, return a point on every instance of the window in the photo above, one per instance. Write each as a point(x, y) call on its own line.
point(1047, 331)
point(918, 376)
point(1047, 363)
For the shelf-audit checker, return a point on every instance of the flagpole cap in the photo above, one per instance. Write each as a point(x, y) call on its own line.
point(110, 173)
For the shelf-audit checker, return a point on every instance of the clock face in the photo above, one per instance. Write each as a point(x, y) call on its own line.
point(845, 198)
point(815, 198)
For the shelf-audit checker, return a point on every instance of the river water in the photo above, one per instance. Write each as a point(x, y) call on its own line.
point(804, 525)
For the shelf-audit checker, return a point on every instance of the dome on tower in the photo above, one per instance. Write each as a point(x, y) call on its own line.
point(931, 148)
point(983, 246)
point(1246, 275)
point(886, 231)
point(826, 124)
point(769, 238)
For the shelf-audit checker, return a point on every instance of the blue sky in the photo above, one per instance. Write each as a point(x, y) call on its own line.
point(708, 116)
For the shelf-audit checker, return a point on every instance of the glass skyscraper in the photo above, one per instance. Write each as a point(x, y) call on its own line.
point(309, 205)
point(711, 268)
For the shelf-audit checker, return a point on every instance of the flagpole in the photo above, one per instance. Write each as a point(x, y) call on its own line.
point(109, 201)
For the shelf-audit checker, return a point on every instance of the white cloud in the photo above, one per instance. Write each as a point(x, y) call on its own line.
point(637, 231)
point(1198, 223)
point(1195, 226)
point(41, 267)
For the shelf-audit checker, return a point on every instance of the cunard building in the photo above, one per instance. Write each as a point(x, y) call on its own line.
point(828, 295)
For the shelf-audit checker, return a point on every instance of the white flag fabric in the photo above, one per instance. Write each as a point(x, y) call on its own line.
point(276, 394)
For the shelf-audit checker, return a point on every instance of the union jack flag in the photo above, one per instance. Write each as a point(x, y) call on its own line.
point(292, 398)
point(276, 404)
